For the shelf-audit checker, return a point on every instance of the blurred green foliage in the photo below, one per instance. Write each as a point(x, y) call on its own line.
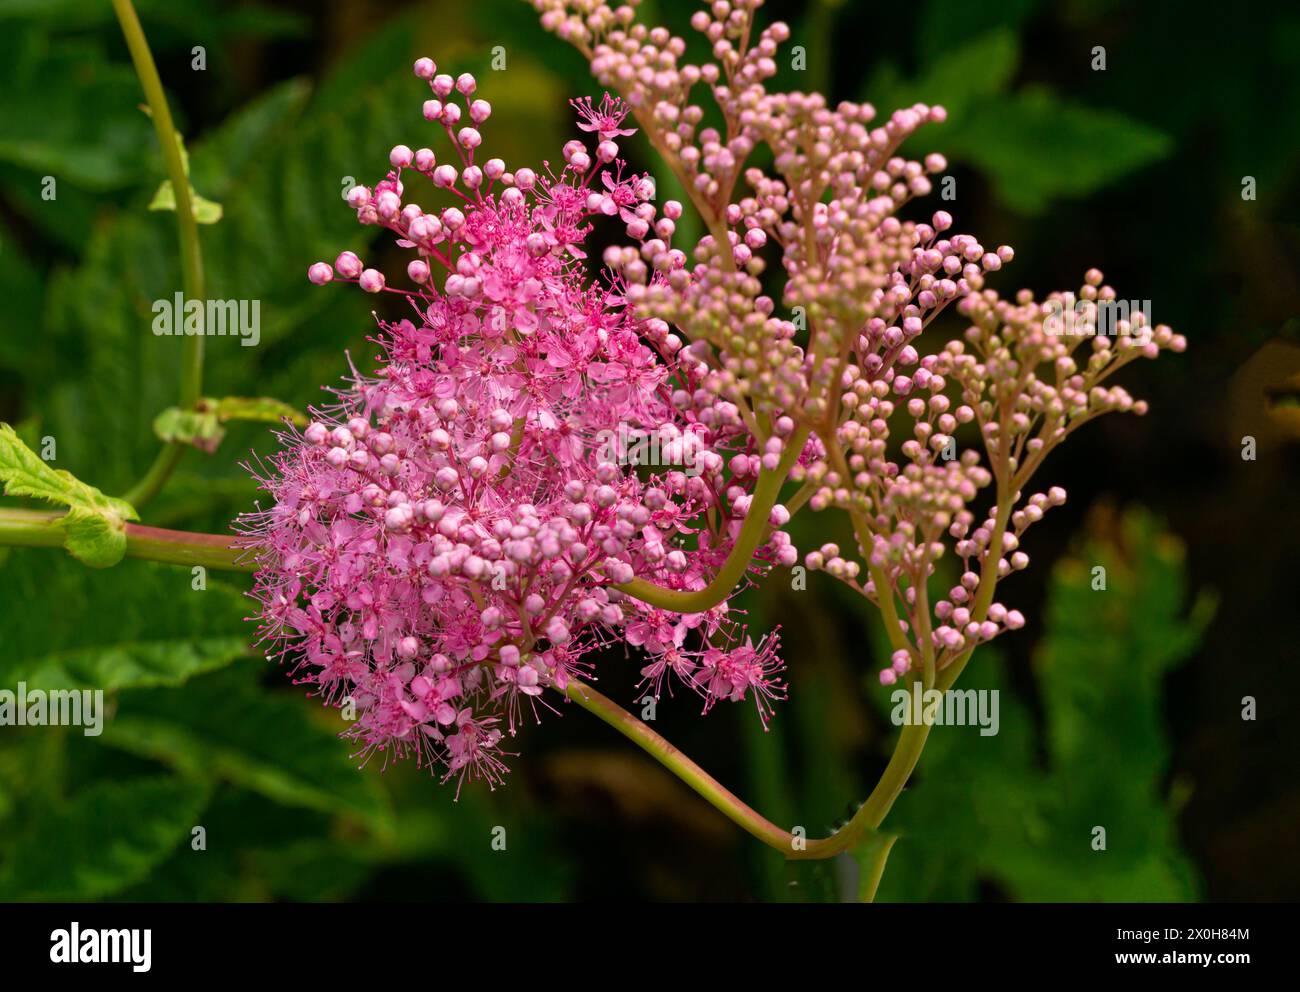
point(200, 735)
point(1033, 145)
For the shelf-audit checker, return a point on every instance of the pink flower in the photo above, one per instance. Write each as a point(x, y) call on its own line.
point(605, 120)
point(445, 538)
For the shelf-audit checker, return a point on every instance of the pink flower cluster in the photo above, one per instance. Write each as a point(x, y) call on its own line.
point(457, 534)
point(444, 542)
point(844, 353)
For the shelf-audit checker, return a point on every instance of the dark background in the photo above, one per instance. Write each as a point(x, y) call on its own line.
point(1121, 708)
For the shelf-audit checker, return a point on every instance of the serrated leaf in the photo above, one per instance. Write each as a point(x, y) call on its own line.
point(1107, 652)
point(1033, 145)
point(26, 474)
point(1036, 147)
point(979, 68)
point(107, 837)
point(95, 524)
point(114, 635)
point(226, 726)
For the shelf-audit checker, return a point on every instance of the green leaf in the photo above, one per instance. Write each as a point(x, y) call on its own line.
point(225, 725)
point(95, 524)
point(205, 210)
point(25, 474)
point(1034, 146)
point(113, 666)
point(202, 428)
point(114, 635)
point(1037, 147)
point(109, 836)
point(981, 67)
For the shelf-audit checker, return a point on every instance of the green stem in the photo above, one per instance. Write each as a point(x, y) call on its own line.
point(752, 532)
point(178, 547)
point(40, 529)
point(884, 592)
point(988, 576)
point(29, 529)
point(871, 867)
point(191, 377)
point(154, 479)
point(872, 812)
point(907, 750)
point(680, 765)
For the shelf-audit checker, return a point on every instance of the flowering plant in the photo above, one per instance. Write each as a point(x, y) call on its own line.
point(449, 541)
